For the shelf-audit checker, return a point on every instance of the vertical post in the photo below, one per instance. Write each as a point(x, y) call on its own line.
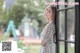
point(57, 29)
point(77, 28)
point(66, 45)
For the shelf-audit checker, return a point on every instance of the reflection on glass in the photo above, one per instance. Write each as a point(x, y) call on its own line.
point(61, 25)
point(71, 0)
point(71, 48)
point(71, 3)
point(62, 47)
point(61, 4)
point(71, 24)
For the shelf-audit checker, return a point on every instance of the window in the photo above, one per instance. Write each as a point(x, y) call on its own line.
point(66, 28)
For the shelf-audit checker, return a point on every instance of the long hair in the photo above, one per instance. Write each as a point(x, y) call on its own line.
point(54, 11)
point(54, 19)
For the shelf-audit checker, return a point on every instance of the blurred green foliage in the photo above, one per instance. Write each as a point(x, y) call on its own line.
point(1, 13)
point(33, 8)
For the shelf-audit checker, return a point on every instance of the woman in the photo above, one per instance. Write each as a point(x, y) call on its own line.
point(48, 45)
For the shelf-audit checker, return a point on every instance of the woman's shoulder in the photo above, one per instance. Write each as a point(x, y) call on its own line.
point(51, 24)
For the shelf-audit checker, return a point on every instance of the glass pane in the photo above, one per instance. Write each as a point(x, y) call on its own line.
point(61, 4)
point(71, 3)
point(62, 47)
point(71, 0)
point(61, 25)
point(71, 24)
point(71, 29)
point(49, 0)
point(71, 48)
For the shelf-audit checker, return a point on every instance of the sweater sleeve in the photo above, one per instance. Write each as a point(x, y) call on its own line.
point(50, 31)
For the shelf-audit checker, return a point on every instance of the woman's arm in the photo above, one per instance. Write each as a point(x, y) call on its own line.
point(49, 33)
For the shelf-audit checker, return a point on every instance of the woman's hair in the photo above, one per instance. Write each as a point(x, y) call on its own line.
point(53, 8)
point(54, 19)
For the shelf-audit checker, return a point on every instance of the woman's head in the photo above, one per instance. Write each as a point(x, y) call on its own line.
point(50, 13)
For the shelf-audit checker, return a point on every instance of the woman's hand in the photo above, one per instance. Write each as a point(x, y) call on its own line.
point(43, 43)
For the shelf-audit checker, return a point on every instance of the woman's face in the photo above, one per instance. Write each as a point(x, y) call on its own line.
point(48, 14)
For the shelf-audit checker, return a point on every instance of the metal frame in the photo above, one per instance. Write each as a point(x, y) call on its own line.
point(77, 26)
point(66, 8)
point(57, 35)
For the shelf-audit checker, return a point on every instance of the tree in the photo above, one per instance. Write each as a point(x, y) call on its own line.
point(17, 14)
point(34, 9)
point(1, 4)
